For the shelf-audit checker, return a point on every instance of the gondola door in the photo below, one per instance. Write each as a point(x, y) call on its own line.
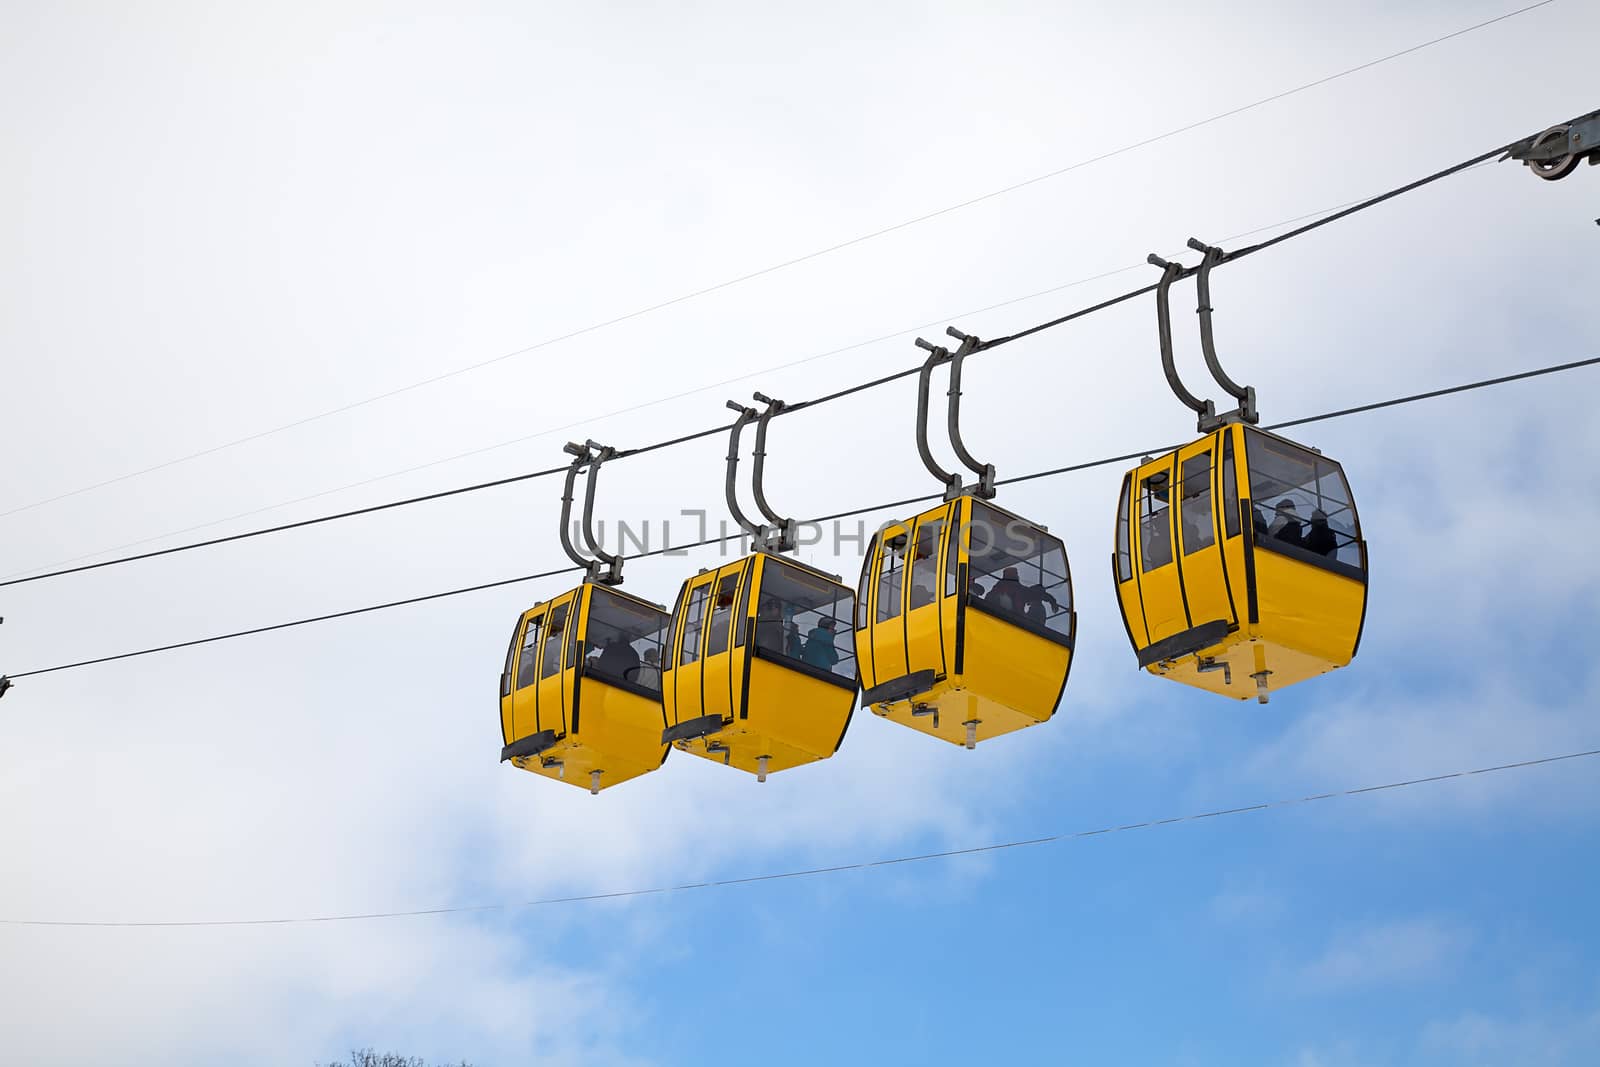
point(554, 689)
point(688, 676)
point(889, 628)
point(1159, 583)
point(1204, 577)
point(924, 648)
point(522, 679)
point(717, 676)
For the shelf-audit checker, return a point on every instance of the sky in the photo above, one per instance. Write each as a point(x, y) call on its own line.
point(222, 221)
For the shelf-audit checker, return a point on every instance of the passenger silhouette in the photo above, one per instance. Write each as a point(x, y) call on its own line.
point(820, 650)
point(1320, 538)
point(1286, 525)
point(648, 674)
point(1008, 593)
point(617, 658)
point(1034, 598)
point(769, 625)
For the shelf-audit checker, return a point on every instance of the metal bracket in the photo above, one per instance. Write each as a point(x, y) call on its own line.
point(919, 710)
point(1210, 665)
point(717, 748)
point(782, 535)
point(1556, 152)
point(1207, 417)
point(938, 354)
point(604, 567)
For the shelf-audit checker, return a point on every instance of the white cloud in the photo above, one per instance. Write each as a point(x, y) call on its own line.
point(1385, 953)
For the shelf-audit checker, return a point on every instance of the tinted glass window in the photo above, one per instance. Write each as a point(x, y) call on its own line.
point(1195, 513)
point(693, 616)
point(861, 590)
point(1155, 525)
point(1124, 547)
point(625, 640)
point(528, 658)
point(925, 564)
point(722, 614)
point(1300, 499)
point(952, 563)
point(743, 611)
point(1230, 487)
point(1017, 571)
point(891, 575)
point(805, 617)
point(555, 630)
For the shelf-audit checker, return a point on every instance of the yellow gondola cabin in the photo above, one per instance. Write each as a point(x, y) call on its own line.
point(580, 697)
point(761, 665)
point(965, 625)
point(580, 693)
point(1239, 564)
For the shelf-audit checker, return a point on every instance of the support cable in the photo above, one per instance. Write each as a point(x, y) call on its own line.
point(984, 346)
point(680, 549)
point(814, 872)
point(775, 267)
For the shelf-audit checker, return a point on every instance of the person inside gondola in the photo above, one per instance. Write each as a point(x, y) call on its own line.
point(1286, 525)
point(617, 658)
point(1258, 521)
point(974, 591)
point(769, 625)
point(1008, 593)
point(1034, 599)
point(1320, 538)
point(648, 673)
point(921, 594)
point(820, 650)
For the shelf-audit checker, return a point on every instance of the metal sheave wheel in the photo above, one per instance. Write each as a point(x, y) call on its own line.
point(1552, 169)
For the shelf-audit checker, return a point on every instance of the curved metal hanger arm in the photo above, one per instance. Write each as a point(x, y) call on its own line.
point(730, 484)
point(936, 356)
point(782, 534)
point(1171, 272)
point(984, 471)
point(580, 454)
point(613, 572)
point(1246, 395)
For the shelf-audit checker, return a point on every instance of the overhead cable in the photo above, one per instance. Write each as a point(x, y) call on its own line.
point(813, 872)
point(985, 346)
point(676, 549)
point(774, 267)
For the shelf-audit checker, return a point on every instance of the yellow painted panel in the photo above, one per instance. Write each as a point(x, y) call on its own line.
point(1308, 609)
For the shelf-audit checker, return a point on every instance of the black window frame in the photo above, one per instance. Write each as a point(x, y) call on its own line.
point(553, 637)
point(888, 551)
point(1122, 555)
point(1147, 492)
point(1201, 508)
point(1049, 543)
point(1232, 524)
point(1295, 552)
point(699, 594)
point(713, 628)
